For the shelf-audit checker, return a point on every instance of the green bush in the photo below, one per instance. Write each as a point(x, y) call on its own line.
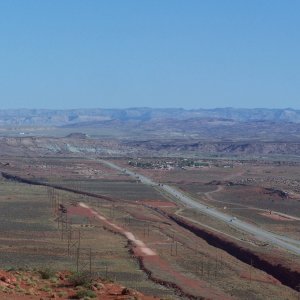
point(62, 294)
point(85, 293)
point(81, 279)
point(47, 273)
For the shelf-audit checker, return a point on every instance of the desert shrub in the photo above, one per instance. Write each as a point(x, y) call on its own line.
point(81, 279)
point(20, 290)
point(29, 293)
point(11, 269)
point(46, 289)
point(24, 269)
point(47, 273)
point(85, 293)
point(62, 294)
point(54, 280)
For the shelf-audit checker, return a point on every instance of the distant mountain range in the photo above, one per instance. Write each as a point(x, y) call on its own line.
point(90, 117)
point(147, 131)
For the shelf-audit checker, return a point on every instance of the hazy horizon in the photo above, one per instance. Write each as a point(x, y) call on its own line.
point(149, 107)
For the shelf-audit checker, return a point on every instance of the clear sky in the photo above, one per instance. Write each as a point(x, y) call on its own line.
point(155, 53)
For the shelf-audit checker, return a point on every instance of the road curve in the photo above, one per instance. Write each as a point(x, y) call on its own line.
point(266, 236)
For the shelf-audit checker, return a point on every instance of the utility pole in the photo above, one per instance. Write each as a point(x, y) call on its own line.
point(90, 261)
point(77, 260)
point(251, 270)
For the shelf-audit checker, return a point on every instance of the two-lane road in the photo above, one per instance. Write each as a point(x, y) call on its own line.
point(263, 235)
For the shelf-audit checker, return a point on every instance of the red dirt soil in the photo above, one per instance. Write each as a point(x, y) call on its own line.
point(186, 285)
point(147, 257)
point(80, 211)
point(266, 278)
point(23, 285)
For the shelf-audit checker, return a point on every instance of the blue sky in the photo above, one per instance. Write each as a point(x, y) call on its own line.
point(158, 53)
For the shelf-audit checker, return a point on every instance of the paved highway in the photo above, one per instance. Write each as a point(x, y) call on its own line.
point(266, 236)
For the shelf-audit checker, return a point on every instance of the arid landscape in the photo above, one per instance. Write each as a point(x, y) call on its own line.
point(149, 150)
point(104, 207)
